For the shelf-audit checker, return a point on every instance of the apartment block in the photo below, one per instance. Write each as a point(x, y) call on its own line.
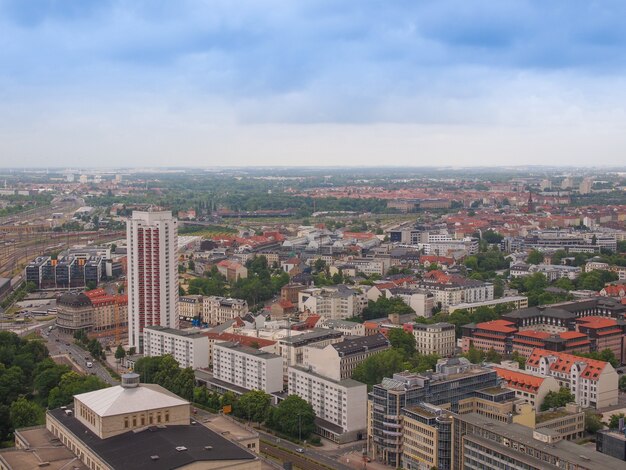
point(292, 348)
point(340, 405)
point(421, 301)
point(190, 348)
point(593, 383)
point(337, 361)
point(110, 315)
point(437, 338)
point(217, 310)
point(348, 328)
point(335, 303)
point(152, 245)
point(190, 307)
point(248, 368)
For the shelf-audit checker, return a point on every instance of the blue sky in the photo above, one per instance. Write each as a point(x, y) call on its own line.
point(352, 82)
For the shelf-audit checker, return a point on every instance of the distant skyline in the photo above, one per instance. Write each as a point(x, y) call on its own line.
point(147, 83)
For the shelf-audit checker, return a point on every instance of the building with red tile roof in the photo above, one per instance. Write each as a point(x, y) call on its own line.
point(605, 333)
point(488, 335)
point(593, 383)
point(528, 387)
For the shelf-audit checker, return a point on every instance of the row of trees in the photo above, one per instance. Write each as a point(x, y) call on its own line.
point(463, 316)
point(30, 382)
point(293, 416)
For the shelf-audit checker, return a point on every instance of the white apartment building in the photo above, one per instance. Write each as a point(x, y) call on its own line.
point(438, 338)
point(458, 290)
point(190, 307)
point(217, 310)
point(336, 302)
point(370, 266)
point(337, 361)
point(593, 383)
point(291, 348)
point(152, 240)
point(420, 300)
point(190, 348)
point(340, 406)
point(248, 368)
point(348, 328)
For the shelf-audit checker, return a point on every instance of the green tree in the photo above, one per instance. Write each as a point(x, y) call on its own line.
point(120, 353)
point(622, 383)
point(253, 406)
point(73, 384)
point(593, 423)
point(475, 356)
point(376, 367)
point(521, 360)
point(534, 257)
point(47, 376)
point(319, 265)
point(25, 413)
point(491, 236)
point(402, 341)
point(557, 399)
point(493, 356)
point(614, 420)
point(384, 306)
point(294, 417)
point(91, 285)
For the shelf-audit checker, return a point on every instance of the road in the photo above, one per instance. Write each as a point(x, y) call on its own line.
point(59, 343)
point(286, 450)
point(309, 452)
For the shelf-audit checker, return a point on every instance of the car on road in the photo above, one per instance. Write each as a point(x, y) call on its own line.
point(89, 364)
point(300, 450)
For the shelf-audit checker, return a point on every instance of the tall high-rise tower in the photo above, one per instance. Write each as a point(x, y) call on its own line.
point(152, 272)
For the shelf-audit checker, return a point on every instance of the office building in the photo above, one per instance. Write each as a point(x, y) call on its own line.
point(340, 405)
point(452, 381)
point(190, 348)
point(480, 443)
point(74, 313)
point(612, 442)
point(427, 438)
point(248, 368)
point(152, 244)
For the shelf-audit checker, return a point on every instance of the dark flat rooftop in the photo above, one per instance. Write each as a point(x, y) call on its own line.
point(135, 449)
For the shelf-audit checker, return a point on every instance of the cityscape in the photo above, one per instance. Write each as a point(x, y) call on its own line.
point(314, 318)
point(312, 235)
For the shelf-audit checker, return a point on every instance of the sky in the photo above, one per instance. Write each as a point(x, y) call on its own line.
point(274, 82)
